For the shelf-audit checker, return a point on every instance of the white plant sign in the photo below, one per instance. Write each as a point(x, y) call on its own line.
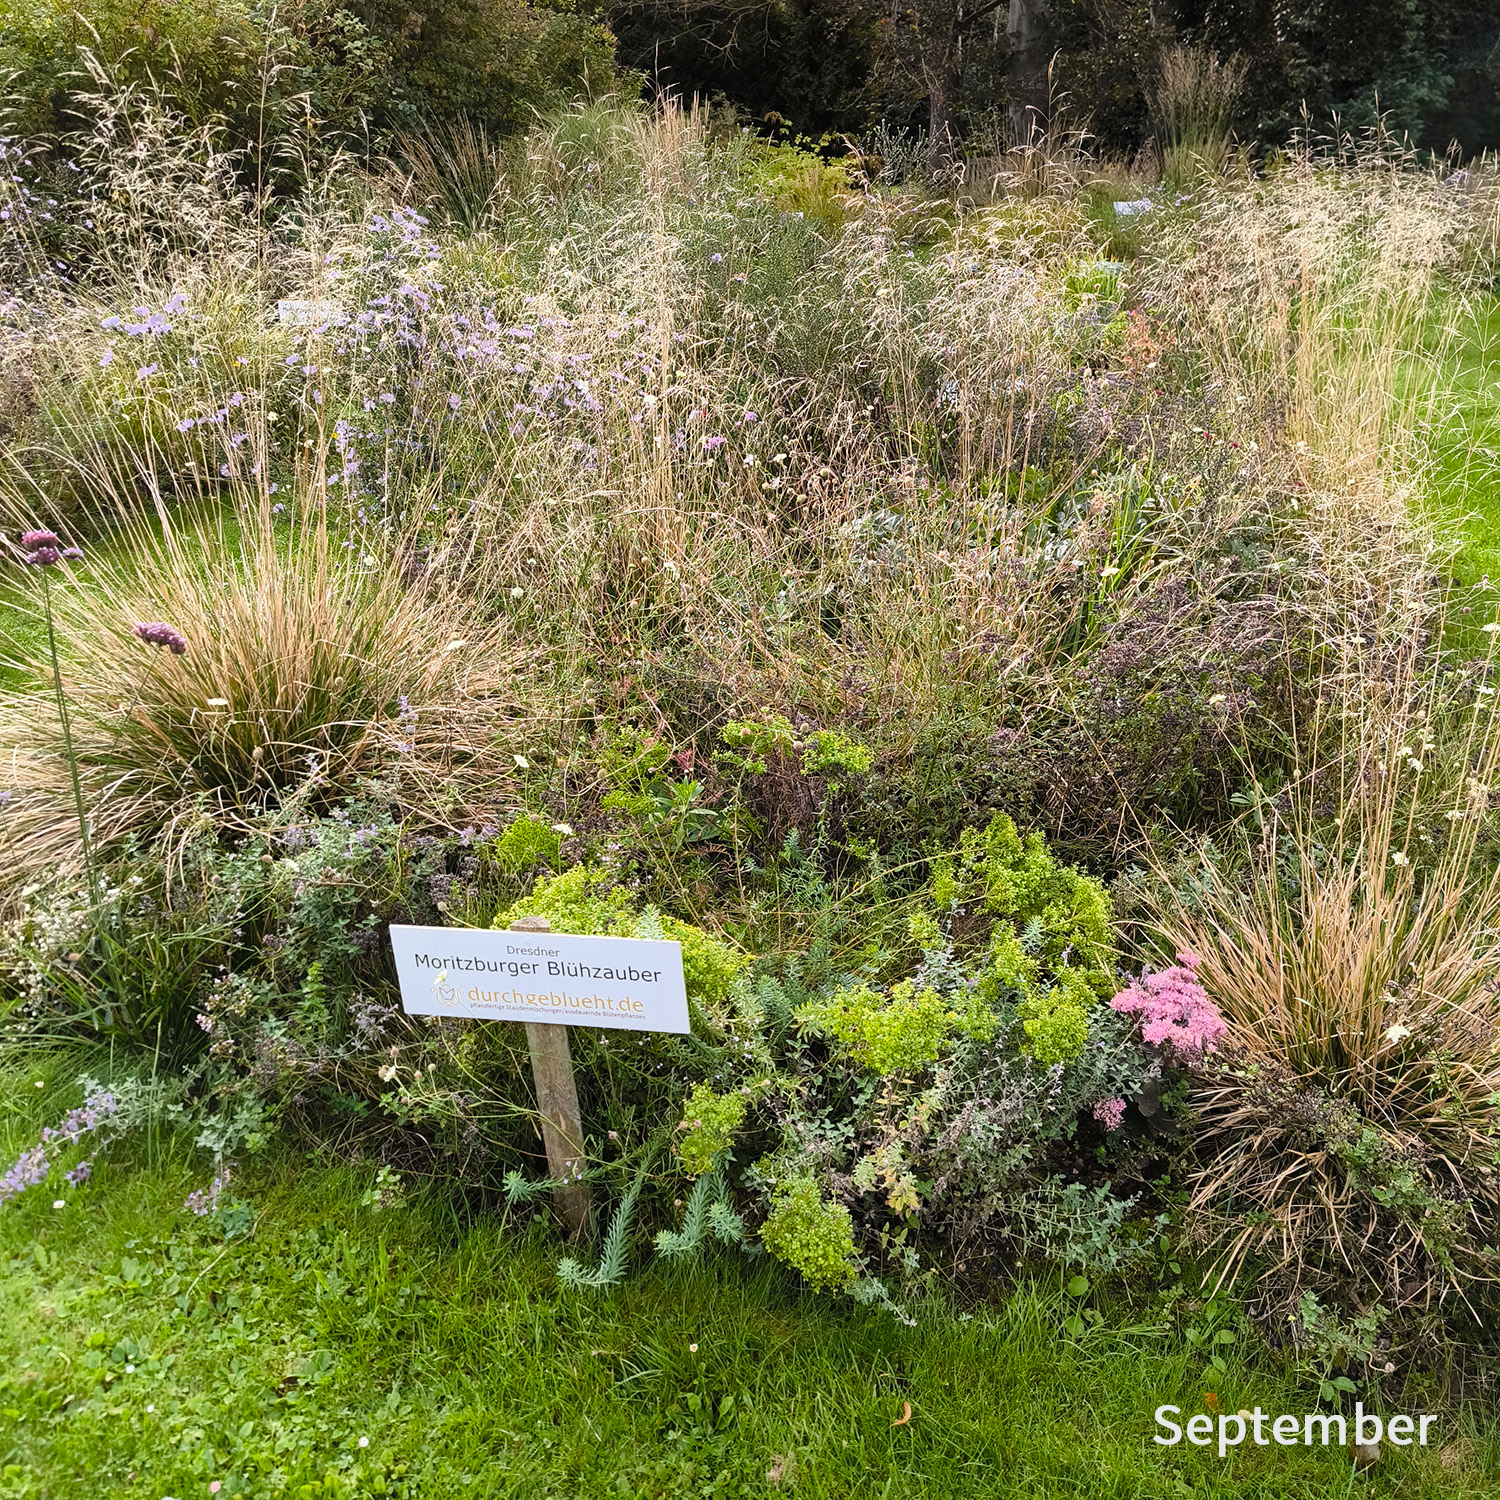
point(500, 975)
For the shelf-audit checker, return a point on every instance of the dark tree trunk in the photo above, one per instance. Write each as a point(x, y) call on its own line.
point(944, 83)
point(1026, 75)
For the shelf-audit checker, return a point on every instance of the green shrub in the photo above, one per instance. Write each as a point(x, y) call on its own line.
point(899, 1037)
point(712, 1120)
point(812, 1236)
point(525, 844)
point(1056, 1021)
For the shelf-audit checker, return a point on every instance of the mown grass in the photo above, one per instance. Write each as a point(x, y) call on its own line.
point(1466, 481)
point(144, 1354)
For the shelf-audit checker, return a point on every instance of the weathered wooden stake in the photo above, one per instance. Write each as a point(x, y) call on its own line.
point(557, 1103)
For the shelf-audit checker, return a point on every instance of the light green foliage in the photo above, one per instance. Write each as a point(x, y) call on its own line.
point(1018, 879)
point(900, 1037)
point(826, 751)
point(923, 929)
point(1056, 1021)
point(580, 900)
point(712, 1121)
point(527, 842)
point(812, 1236)
point(800, 182)
point(1009, 971)
point(709, 965)
point(753, 743)
point(944, 884)
point(584, 900)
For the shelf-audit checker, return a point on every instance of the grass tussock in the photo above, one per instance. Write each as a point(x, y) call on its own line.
point(306, 668)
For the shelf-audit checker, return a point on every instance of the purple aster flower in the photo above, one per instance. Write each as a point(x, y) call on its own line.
point(154, 633)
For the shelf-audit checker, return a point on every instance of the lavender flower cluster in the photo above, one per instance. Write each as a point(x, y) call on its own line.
point(35, 1164)
point(1175, 1011)
point(154, 633)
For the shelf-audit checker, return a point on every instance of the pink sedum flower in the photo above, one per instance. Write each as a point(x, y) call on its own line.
point(1174, 1011)
point(1109, 1113)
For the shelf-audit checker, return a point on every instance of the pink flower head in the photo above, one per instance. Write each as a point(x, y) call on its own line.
point(154, 633)
point(45, 548)
point(1109, 1113)
point(1175, 1011)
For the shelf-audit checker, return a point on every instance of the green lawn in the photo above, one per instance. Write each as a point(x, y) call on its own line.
point(146, 1355)
point(1466, 481)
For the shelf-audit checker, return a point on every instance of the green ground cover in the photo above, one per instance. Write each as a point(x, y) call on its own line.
point(1467, 478)
point(148, 1352)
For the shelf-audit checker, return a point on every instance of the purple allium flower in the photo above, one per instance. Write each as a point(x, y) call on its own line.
point(154, 633)
point(1109, 1113)
point(1175, 1010)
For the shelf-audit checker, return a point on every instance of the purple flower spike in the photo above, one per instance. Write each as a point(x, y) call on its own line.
point(154, 633)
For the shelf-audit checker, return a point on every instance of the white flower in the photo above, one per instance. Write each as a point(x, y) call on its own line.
point(1491, 628)
point(1216, 698)
point(218, 702)
point(39, 1084)
point(150, 1408)
point(1414, 763)
point(1398, 858)
point(1398, 1033)
point(59, 1203)
point(130, 1369)
point(1108, 572)
point(517, 593)
point(364, 1442)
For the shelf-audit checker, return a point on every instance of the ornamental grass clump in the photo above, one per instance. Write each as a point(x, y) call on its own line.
point(1349, 1118)
point(291, 670)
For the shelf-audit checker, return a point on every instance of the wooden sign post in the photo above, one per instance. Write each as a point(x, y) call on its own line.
point(557, 1103)
point(526, 973)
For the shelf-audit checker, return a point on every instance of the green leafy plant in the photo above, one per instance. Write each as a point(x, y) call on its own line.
point(712, 1120)
point(812, 1236)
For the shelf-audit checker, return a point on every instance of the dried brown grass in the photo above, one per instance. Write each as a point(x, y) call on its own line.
point(306, 673)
